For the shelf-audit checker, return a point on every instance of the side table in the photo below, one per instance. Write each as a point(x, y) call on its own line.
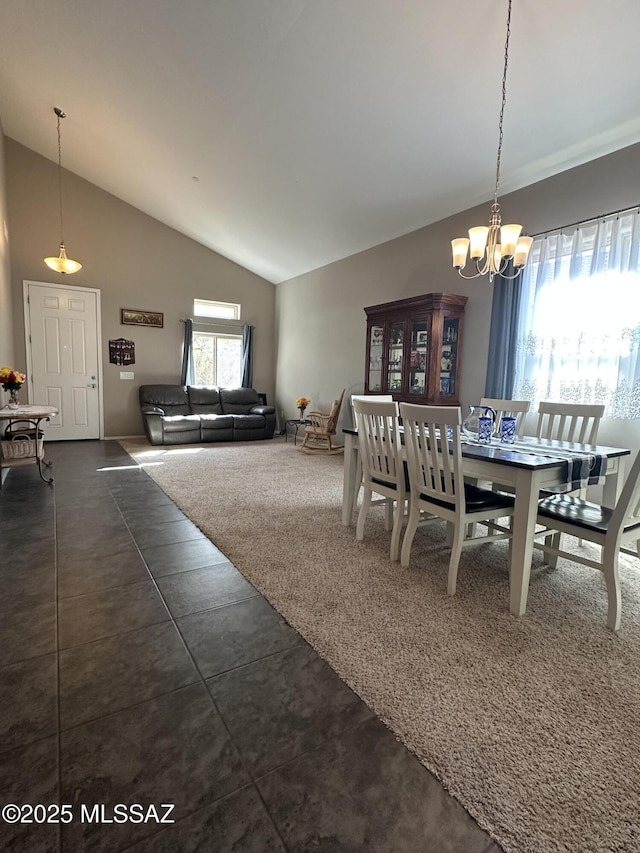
point(31, 416)
point(297, 423)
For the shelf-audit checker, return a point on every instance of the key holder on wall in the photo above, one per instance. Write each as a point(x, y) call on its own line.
point(122, 351)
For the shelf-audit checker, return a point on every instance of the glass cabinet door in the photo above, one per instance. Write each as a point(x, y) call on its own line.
point(418, 357)
point(414, 347)
point(449, 357)
point(394, 363)
point(376, 352)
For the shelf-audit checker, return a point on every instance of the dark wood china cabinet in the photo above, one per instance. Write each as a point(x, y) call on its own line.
point(414, 348)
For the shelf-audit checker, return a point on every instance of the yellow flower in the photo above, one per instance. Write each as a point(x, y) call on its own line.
point(302, 402)
point(10, 379)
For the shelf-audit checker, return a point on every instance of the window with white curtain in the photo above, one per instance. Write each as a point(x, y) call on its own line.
point(578, 339)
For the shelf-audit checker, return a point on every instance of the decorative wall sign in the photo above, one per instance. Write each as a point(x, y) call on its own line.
point(133, 317)
point(122, 351)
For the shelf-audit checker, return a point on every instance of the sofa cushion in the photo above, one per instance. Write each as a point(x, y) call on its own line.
point(172, 399)
point(216, 421)
point(204, 399)
point(239, 401)
point(248, 422)
point(179, 429)
point(181, 423)
point(216, 427)
point(212, 427)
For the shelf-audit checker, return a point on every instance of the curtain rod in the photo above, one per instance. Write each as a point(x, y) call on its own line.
point(561, 228)
point(221, 321)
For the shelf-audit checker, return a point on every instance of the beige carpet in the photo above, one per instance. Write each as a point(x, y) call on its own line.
point(533, 724)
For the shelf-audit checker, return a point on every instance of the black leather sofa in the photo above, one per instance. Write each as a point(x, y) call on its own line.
point(186, 414)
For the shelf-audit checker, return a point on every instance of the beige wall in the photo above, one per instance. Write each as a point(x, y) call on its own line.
point(6, 324)
point(319, 323)
point(320, 319)
point(136, 262)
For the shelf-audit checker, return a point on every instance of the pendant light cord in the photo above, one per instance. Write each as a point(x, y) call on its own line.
point(504, 101)
point(60, 115)
point(62, 263)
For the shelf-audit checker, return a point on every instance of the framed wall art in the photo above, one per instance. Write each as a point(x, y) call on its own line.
point(133, 317)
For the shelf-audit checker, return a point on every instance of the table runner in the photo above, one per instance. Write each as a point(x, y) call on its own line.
point(583, 469)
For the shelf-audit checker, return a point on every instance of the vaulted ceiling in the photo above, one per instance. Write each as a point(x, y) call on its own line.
point(315, 128)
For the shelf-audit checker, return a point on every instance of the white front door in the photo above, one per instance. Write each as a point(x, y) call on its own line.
point(63, 357)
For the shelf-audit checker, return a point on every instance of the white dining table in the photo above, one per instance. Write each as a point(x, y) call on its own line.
point(526, 472)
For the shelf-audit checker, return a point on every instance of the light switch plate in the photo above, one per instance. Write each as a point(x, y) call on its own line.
point(124, 374)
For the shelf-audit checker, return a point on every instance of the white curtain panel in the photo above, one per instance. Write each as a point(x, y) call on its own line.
point(579, 334)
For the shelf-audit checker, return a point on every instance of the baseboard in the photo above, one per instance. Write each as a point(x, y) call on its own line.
point(118, 437)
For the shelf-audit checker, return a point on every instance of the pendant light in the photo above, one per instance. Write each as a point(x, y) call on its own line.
point(495, 245)
point(62, 263)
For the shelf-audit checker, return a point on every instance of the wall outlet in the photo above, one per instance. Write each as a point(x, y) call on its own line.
point(125, 374)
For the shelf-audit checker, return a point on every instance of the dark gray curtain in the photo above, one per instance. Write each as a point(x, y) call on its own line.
point(247, 356)
point(186, 374)
point(503, 336)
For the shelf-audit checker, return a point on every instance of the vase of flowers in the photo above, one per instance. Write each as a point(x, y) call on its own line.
point(302, 403)
point(12, 381)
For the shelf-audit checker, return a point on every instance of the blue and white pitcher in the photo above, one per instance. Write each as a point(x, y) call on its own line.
point(480, 423)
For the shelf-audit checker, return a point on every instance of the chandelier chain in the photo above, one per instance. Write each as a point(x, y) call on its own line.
point(496, 249)
point(504, 101)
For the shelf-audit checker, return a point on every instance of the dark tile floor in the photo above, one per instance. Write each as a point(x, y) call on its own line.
point(139, 667)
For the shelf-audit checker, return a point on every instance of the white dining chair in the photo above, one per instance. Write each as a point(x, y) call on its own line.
point(569, 422)
point(384, 398)
point(382, 465)
point(437, 487)
point(507, 408)
point(376, 398)
point(611, 529)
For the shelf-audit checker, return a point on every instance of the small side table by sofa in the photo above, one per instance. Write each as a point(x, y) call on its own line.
point(31, 417)
point(297, 423)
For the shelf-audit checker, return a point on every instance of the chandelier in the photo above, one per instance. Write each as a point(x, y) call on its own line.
point(494, 246)
point(62, 263)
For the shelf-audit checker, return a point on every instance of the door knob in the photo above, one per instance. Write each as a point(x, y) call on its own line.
point(92, 385)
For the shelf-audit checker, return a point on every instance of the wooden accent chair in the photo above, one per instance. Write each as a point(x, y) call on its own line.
point(320, 434)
